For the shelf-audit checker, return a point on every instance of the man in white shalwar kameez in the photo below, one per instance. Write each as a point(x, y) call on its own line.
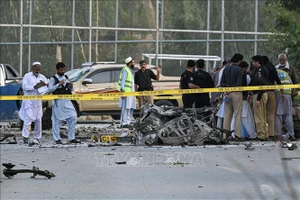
point(31, 110)
point(126, 84)
point(62, 109)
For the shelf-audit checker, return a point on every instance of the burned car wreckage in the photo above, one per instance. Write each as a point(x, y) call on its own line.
point(178, 126)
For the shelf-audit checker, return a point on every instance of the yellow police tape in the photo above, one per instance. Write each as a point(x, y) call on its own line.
point(159, 94)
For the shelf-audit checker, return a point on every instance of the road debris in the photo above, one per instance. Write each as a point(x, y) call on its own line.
point(291, 147)
point(9, 172)
point(8, 141)
point(249, 147)
point(121, 163)
point(175, 126)
point(290, 158)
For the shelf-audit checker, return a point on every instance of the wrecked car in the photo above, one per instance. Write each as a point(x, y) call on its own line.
point(177, 126)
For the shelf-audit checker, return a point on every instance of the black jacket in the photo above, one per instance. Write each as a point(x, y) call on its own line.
point(259, 77)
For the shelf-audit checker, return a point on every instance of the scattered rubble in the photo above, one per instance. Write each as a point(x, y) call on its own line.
point(9, 172)
point(175, 126)
point(249, 146)
point(6, 140)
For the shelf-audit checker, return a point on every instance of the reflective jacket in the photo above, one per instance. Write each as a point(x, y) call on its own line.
point(128, 81)
point(285, 80)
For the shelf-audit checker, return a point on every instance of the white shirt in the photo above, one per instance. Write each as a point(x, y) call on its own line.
point(62, 108)
point(31, 109)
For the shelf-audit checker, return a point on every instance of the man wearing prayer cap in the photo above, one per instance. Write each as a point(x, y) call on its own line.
point(126, 84)
point(33, 84)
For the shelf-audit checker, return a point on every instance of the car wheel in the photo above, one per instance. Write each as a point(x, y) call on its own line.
point(163, 103)
point(115, 117)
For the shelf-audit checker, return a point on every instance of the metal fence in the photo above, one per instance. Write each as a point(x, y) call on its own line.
point(111, 30)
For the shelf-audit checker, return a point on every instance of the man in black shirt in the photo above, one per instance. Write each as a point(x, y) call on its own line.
point(142, 81)
point(232, 77)
point(186, 80)
point(202, 79)
point(260, 97)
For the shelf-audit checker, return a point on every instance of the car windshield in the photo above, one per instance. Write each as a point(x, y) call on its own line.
point(76, 74)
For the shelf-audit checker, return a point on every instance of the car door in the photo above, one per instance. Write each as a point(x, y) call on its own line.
point(101, 83)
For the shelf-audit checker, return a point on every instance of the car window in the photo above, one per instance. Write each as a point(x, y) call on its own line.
point(116, 75)
point(76, 74)
point(101, 77)
point(10, 74)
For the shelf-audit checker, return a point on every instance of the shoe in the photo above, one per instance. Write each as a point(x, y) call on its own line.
point(36, 141)
point(25, 140)
point(74, 141)
point(58, 142)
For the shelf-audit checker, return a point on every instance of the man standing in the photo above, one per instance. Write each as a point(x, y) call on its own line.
point(285, 66)
point(203, 80)
point(126, 84)
point(271, 102)
point(260, 97)
point(284, 108)
point(232, 77)
point(62, 109)
point(34, 83)
point(186, 81)
point(142, 80)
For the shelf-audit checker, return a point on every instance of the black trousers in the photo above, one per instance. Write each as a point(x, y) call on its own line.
point(187, 100)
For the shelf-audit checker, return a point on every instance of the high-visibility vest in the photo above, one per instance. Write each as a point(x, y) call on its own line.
point(128, 81)
point(285, 80)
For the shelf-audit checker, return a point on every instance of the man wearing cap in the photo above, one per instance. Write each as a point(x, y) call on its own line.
point(126, 84)
point(186, 82)
point(203, 80)
point(33, 84)
point(259, 97)
point(62, 109)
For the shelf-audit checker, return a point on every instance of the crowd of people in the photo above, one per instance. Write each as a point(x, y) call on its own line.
point(258, 114)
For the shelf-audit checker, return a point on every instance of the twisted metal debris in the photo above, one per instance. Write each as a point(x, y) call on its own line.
point(177, 126)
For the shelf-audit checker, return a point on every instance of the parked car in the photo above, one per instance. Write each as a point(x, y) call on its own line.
point(10, 84)
point(103, 78)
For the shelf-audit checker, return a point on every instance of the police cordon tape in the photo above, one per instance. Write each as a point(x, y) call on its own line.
point(159, 94)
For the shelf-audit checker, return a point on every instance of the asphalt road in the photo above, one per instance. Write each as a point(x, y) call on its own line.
point(211, 172)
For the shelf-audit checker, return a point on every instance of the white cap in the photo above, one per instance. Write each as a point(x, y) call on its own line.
point(128, 60)
point(36, 63)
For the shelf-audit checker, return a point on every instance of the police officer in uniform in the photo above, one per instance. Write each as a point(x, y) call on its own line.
point(186, 82)
point(203, 80)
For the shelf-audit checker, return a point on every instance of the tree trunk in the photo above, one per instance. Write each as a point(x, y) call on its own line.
point(58, 53)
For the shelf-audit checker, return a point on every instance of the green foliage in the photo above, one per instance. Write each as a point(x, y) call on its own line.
point(284, 22)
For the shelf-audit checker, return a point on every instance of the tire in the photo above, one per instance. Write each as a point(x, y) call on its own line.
point(115, 117)
point(163, 103)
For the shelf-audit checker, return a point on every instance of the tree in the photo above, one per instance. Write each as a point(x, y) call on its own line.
point(284, 20)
